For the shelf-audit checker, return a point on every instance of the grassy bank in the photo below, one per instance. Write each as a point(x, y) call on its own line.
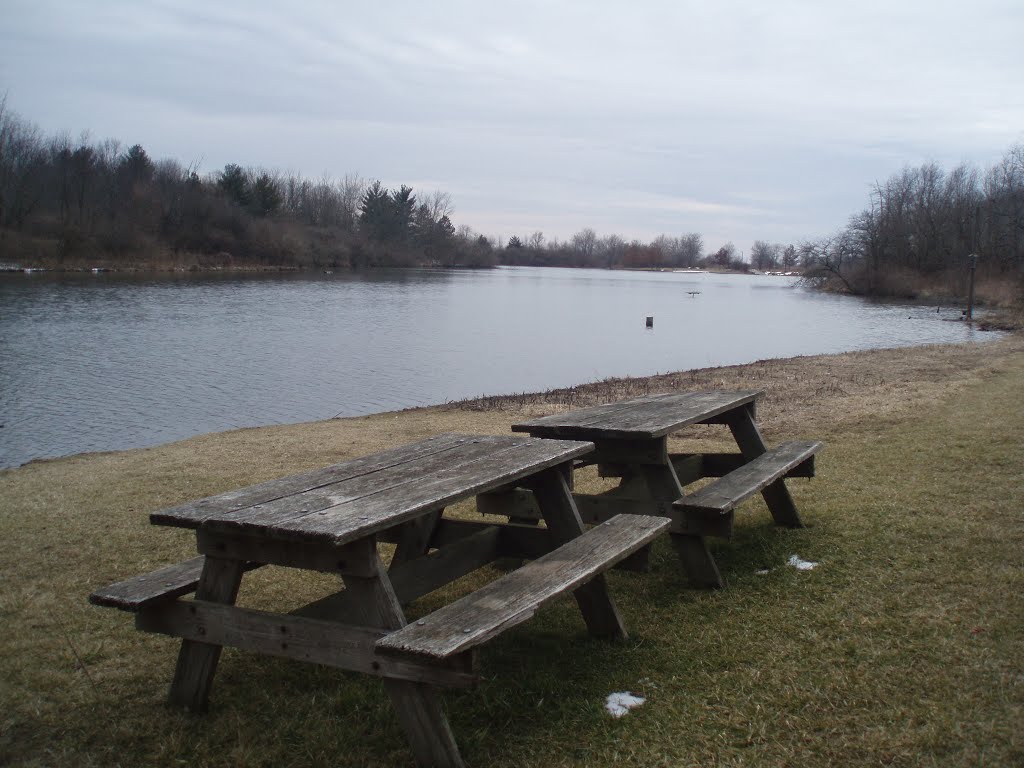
point(904, 647)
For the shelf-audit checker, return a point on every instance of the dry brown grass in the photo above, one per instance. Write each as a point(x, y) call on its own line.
point(904, 648)
point(803, 395)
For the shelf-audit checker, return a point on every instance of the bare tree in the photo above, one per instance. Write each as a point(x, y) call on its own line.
point(764, 255)
point(22, 164)
point(831, 257)
point(691, 247)
point(610, 250)
point(724, 256)
point(439, 205)
point(789, 257)
point(584, 243)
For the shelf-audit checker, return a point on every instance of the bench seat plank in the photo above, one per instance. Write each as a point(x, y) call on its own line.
point(167, 583)
point(515, 597)
point(726, 493)
point(643, 418)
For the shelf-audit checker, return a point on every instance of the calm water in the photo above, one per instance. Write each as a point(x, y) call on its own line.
point(106, 362)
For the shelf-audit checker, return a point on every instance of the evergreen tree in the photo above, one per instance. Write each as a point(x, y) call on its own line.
point(234, 182)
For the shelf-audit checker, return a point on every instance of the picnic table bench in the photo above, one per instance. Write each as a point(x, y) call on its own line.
point(333, 519)
point(631, 439)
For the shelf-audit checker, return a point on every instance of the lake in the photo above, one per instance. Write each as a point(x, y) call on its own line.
point(107, 362)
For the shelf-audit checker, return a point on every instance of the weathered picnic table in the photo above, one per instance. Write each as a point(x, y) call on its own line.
point(631, 439)
point(332, 520)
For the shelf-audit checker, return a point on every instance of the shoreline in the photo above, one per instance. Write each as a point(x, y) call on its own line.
point(796, 388)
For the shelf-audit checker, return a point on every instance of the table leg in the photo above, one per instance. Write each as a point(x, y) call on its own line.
point(197, 662)
point(663, 485)
point(417, 705)
point(414, 538)
point(751, 443)
point(557, 506)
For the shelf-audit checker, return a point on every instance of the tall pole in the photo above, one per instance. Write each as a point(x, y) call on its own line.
point(973, 260)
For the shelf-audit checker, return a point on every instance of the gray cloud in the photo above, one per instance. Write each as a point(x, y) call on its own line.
point(739, 120)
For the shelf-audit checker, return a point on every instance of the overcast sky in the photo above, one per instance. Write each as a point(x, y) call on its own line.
point(738, 120)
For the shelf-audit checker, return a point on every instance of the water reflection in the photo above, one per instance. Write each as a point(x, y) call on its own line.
point(104, 362)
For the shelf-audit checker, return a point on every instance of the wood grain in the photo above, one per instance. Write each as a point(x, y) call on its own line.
point(726, 493)
point(515, 597)
point(645, 417)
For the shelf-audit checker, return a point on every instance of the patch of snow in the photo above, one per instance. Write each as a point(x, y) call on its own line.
point(619, 704)
point(801, 565)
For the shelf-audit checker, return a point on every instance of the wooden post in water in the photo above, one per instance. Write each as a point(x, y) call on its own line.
point(973, 261)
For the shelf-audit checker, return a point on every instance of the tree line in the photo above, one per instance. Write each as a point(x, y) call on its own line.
point(920, 228)
point(71, 202)
point(66, 202)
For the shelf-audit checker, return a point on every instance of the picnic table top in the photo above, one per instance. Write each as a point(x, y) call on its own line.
point(644, 417)
point(349, 501)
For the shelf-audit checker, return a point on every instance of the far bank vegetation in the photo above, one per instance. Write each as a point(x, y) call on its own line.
point(920, 227)
point(68, 204)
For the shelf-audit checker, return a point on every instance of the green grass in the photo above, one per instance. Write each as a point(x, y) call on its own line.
point(904, 646)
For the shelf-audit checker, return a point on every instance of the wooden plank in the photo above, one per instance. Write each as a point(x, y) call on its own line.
point(597, 508)
point(704, 524)
point(617, 469)
point(318, 642)
point(558, 508)
point(267, 517)
point(647, 417)
point(583, 417)
point(313, 492)
point(725, 418)
point(517, 502)
point(528, 542)
point(197, 660)
point(524, 542)
point(413, 539)
point(358, 518)
point(514, 540)
point(417, 705)
point(465, 548)
point(726, 493)
point(457, 449)
point(700, 566)
point(694, 466)
point(147, 589)
point(191, 514)
point(689, 467)
point(445, 565)
point(632, 451)
point(751, 444)
point(321, 556)
point(515, 597)
point(658, 419)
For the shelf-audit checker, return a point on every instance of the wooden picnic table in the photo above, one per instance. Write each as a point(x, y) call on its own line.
point(334, 519)
point(631, 439)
